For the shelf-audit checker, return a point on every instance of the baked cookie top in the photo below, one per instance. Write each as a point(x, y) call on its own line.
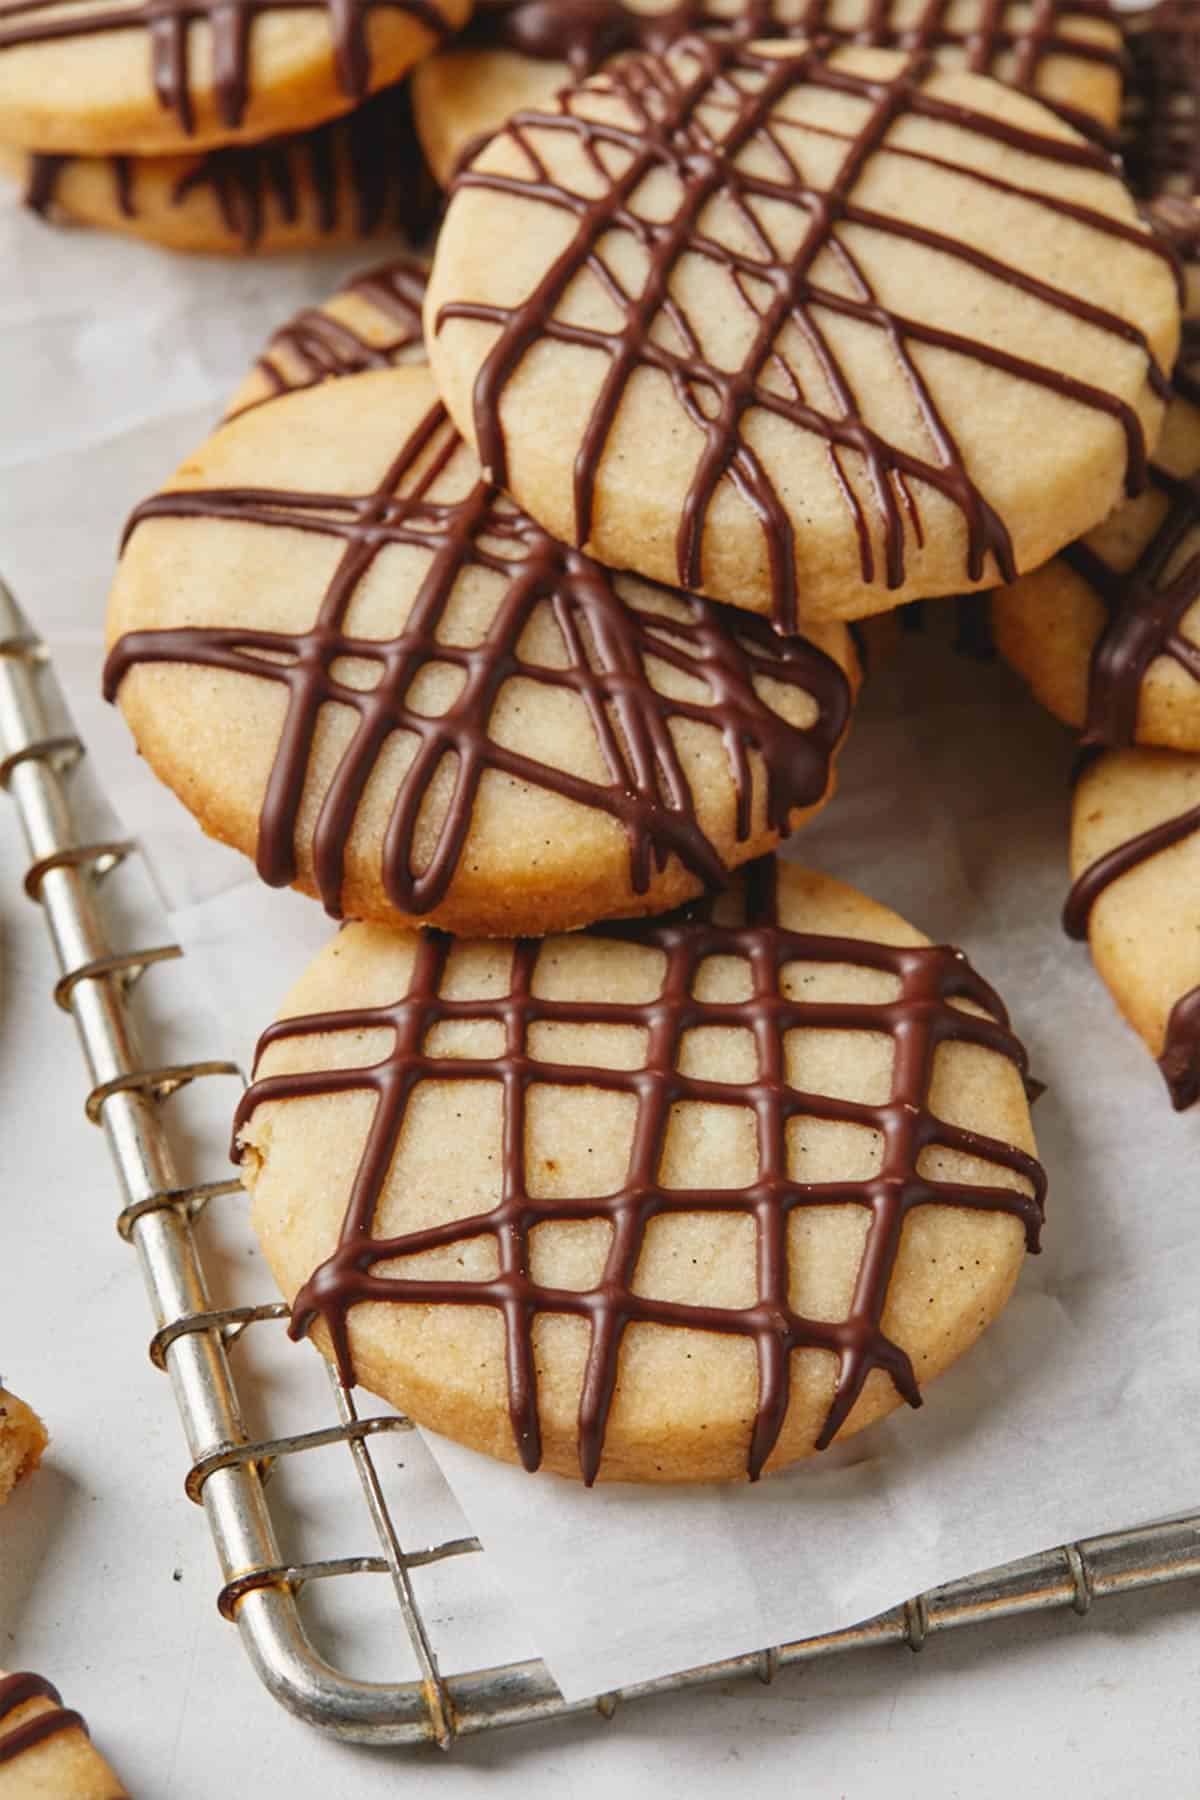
point(372, 322)
point(517, 53)
point(735, 1183)
point(810, 335)
point(354, 177)
point(382, 678)
point(44, 1748)
point(1108, 633)
point(156, 76)
point(1135, 856)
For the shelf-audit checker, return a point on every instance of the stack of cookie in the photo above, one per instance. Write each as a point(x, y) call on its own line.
point(205, 125)
point(1108, 634)
point(729, 344)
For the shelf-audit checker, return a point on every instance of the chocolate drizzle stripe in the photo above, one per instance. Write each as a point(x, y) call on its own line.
point(17, 1691)
point(1180, 1058)
point(372, 153)
point(607, 643)
point(1161, 144)
point(585, 33)
point(1120, 861)
point(665, 100)
point(922, 1018)
point(1145, 605)
point(167, 24)
point(316, 346)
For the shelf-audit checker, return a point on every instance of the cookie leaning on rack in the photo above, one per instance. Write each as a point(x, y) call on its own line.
point(677, 1201)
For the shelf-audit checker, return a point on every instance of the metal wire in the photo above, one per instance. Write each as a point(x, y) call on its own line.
point(192, 1341)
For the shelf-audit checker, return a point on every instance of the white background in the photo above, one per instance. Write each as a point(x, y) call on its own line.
point(106, 1573)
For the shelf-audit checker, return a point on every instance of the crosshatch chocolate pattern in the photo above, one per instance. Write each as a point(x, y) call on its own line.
point(167, 25)
point(1146, 603)
point(316, 346)
point(922, 1017)
point(665, 96)
point(607, 644)
point(1014, 36)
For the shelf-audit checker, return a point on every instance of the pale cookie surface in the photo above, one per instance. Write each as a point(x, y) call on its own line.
point(1135, 858)
point(45, 1753)
point(810, 336)
point(152, 77)
point(349, 656)
point(1108, 634)
point(679, 1201)
point(518, 53)
point(22, 1441)
point(372, 322)
point(357, 177)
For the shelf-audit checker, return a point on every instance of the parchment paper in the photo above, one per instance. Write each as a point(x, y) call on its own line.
point(1074, 1415)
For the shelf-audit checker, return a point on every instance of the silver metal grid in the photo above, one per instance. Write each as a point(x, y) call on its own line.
point(192, 1342)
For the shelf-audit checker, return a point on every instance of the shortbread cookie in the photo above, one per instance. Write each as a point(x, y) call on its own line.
point(153, 77)
point(1108, 633)
point(1135, 856)
point(349, 655)
point(518, 53)
point(357, 177)
point(45, 1752)
point(811, 337)
point(372, 322)
point(22, 1441)
point(679, 1201)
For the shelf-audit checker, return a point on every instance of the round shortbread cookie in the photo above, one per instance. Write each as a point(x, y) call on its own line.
point(1135, 857)
point(45, 1753)
point(809, 336)
point(381, 678)
point(154, 77)
point(357, 177)
point(1108, 633)
point(518, 53)
point(733, 1183)
point(372, 322)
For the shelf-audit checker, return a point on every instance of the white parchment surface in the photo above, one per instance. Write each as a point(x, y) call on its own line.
point(1077, 1411)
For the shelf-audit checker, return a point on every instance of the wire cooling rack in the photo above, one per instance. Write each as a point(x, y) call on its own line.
point(192, 1342)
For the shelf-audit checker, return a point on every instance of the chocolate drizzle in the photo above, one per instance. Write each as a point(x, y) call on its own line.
point(372, 152)
point(1002, 35)
point(317, 345)
point(168, 23)
point(17, 1691)
point(606, 641)
point(672, 103)
point(922, 1017)
point(1180, 1058)
point(1161, 133)
point(1146, 604)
